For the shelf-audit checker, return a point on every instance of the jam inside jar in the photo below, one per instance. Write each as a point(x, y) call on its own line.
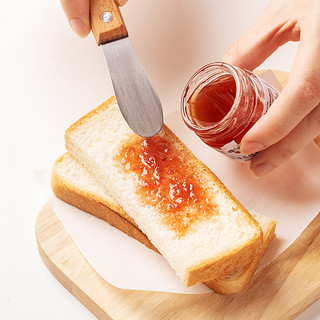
point(220, 103)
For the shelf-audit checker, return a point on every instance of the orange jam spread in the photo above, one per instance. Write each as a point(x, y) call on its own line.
point(166, 181)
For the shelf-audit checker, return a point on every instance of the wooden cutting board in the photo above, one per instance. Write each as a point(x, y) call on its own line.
point(281, 290)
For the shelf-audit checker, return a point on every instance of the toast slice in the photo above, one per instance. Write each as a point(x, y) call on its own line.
point(177, 202)
point(238, 281)
point(72, 183)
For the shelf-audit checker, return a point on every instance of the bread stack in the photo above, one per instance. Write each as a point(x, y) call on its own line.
point(156, 191)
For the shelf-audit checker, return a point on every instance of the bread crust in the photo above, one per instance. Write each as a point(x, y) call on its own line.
point(96, 206)
point(100, 208)
point(229, 261)
point(236, 282)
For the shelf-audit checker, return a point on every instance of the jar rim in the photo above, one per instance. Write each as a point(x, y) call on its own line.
point(233, 71)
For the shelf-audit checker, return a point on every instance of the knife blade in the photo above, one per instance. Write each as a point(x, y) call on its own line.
point(136, 96)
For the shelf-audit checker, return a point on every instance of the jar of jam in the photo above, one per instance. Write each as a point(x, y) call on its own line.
point(221, 102)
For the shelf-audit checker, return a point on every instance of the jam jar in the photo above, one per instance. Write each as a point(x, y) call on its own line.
point(221, 102)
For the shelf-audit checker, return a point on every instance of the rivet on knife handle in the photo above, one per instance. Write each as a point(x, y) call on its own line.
point(106, 21)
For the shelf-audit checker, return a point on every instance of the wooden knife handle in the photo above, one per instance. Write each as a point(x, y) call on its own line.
point(121, 2)
point(317, 141)
point(106, 21)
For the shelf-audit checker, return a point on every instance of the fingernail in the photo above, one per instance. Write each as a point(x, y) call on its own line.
point(261, 169)
point(251, 147)
point(78, 26)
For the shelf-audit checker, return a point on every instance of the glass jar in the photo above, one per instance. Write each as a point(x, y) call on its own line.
point(221, 102)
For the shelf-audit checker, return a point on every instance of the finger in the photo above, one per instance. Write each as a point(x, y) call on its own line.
point(272, 30)
point(270, 158)
point(77, 12)
point(300, 96)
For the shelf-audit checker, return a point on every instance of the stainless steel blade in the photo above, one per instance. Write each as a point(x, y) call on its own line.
point(136, 96)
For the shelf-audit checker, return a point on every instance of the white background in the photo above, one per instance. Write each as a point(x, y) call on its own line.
point(49, 78)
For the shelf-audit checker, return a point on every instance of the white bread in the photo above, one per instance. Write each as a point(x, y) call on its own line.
point(237, 281)
point(72, 183)
point(216, 243)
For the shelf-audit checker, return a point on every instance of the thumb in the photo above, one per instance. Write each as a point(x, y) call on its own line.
point(77, 12)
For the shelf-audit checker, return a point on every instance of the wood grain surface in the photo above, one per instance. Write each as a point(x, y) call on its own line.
point(106, 31)
point(281, 290)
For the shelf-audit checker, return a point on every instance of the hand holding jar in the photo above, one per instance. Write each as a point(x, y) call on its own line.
point(293, 120)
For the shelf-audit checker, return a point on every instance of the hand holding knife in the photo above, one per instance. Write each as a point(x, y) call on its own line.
point(136, 96)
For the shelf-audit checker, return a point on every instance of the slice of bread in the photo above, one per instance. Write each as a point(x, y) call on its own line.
point(236, 282)
point(72, 183)
point(177, 202)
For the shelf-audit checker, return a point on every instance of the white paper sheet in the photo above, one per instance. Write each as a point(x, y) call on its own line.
point(290, 195)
